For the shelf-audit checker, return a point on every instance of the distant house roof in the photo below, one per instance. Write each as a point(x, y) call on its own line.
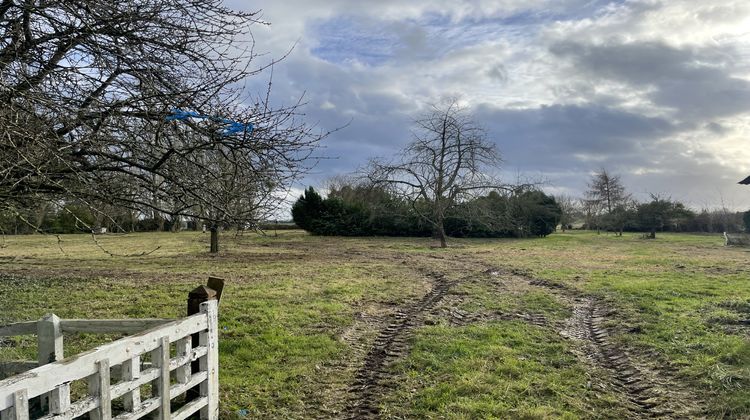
point(745, 181)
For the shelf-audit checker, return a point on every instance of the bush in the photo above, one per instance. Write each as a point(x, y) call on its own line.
point(367, 211)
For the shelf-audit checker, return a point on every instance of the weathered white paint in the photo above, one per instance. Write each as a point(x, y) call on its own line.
point(54, 378)
point(18, 328)
point(99, 389)
point(162, 385)
point(59, 399)
point(20, 408)
point(190, 408)
point(210, 363)
point(183, 350)
point(131, 370)
point(105, 326)
point(49, 339)
point(21, 405)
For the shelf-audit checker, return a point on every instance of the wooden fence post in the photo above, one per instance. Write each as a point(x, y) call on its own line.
point(99, 387)
point(49, 339)
point(210, 362)
point(183, 373)
point(59, 399)
point(131, 369)
point(20, 408)
point(49, 349)
point(196, 297)
point(162, 384)
point(214, 239)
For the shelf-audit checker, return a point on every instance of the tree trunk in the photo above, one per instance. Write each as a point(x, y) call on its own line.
point(214, 239)
point(98, 222)
point(439, 234)
point(40, 216)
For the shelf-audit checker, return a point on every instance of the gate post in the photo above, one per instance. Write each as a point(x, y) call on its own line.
point(210, 362)
point(49, 350)
point(49, 340)
point(196, 298)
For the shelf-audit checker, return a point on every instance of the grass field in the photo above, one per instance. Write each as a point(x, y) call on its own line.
point(576, 325)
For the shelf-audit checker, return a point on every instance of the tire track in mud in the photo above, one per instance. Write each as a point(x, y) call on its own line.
point(649, 394)
point(645, 390)
point(370, 380)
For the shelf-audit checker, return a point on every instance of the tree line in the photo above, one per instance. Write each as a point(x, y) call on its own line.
point(364, 209)
point(608, 206)
point(442, 184)
point(353, 208)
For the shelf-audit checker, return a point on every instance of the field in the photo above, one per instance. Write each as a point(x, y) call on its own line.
point(576, 325)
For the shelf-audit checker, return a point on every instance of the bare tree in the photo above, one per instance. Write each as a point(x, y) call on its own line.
point(443, 166)
point(90, 91)
point(605, 195)
point(607, 189)
point(569, 210)
point(592, 213)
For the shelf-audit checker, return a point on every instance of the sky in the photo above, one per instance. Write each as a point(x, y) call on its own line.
point(655, 91)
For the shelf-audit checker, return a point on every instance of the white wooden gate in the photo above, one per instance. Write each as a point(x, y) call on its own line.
point(52, 381)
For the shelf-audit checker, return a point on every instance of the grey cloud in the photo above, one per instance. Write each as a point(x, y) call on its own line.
point(565, 143)
point(551, 137)
point(498, 73)
point(697, 83)
point(584, 126)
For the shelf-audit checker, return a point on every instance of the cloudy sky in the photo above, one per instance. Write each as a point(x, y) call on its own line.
point(656, 91)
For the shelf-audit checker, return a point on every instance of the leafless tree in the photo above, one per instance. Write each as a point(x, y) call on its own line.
point(606, 189)
point(569, 208)
point(605, 195)
point(87, 90)
point(447, 163)
point(592, 213)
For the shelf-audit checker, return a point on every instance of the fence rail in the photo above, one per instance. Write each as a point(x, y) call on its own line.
point(127, 326)
point(52, 378)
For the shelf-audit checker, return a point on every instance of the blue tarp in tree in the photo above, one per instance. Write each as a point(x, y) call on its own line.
point(231, 127)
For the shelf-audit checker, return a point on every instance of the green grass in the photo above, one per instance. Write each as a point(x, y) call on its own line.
point(499, 370)
point(672, 299)
point(678, 303)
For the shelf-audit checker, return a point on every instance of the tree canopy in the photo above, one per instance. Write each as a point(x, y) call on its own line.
point(90, 91)
point(449, 161)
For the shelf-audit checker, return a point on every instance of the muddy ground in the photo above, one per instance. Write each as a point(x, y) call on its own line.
point(648, 391)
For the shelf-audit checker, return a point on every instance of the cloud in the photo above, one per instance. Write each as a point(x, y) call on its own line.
point(695, 83)
point(560, 136)
point(658, 91)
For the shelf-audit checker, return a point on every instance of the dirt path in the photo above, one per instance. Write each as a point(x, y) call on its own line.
point(648, 392)
point(371, 380)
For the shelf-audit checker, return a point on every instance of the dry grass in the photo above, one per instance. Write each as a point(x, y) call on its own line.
point(301, 312)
